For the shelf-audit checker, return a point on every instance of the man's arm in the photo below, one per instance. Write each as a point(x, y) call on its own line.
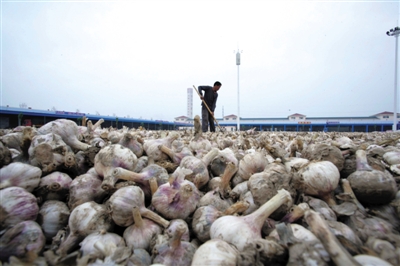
point(214, 105)
point(203, 88)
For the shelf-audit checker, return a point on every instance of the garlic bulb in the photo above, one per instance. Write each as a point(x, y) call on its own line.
point(54, 186)
point(111, 157)
point(23, 239)
point(53, 216)
point(141, 232)
point(17, 205)
point(242, 230)
point(216, 252)
point(20, 175)
point(85, 219)
point(175, 251)
point(318, 179)
point(87, 246)
point(178, 199)
point(122, 202)
point(252, 163)
point(369, 185)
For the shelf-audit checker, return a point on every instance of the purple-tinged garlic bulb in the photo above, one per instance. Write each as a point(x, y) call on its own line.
point(141, 232)
point(53, 216)
point(318, 179)
point(371, 186)
point(174, 226)
point(54, 186)
point(175, 156)
point(85, 188)
point(122, 202)
point(244, 230)
point(20, 175)
point(111, 157)
point(85, 219)
point(175, 251)
point(200, 175)
point(142, 178)
point(216, 252)
point(178, 199)
point(131, 142)
point(22, 240)
point(17, 205)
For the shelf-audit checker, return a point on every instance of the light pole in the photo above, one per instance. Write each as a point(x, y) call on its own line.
point(395, 32)
point(238, 102)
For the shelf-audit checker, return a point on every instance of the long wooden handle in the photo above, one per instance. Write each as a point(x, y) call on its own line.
point(208, 108)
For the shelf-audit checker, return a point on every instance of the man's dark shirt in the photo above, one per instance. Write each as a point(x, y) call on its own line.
point(210, 97)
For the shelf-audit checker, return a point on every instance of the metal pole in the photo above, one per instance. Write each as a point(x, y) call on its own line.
point(238, 96)
point(238, 103)
point(395, 85)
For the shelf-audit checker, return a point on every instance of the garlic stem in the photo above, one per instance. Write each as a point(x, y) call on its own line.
point(362, 162)
point(176, 238)
point(153, 185)
point(124, 174)
point(154, 217)
point(137, 217)
point(185, 191)
point(230, 170)
point(332, 245)
point(238, 207)
point(54, 186)
point(69, 160)
point(210, 156)
point(167, 151)
point(259, 216)
point(295, 213)
point(347, 189)
point(329, 199)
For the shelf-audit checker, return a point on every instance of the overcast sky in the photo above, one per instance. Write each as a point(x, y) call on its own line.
point(137, 58)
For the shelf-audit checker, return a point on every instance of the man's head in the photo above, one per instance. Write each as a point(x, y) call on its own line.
point(217, 85)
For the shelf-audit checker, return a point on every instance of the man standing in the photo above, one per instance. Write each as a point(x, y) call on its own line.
point(210, 97)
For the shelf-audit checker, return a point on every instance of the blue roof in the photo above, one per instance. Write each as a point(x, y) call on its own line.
point(75, 115)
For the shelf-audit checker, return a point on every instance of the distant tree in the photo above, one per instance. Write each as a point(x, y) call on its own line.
point(23, 105)
point(54, 108)
point(77, 110)
point(97, 113)
point(114, 114)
